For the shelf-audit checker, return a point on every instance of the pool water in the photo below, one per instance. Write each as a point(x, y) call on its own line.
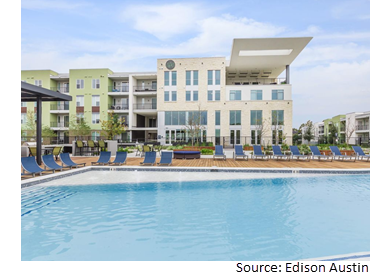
point(256, 219)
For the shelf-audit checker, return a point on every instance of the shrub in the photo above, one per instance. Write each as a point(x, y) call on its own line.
point(246, 145)
point(210, 144)
point(206, 151)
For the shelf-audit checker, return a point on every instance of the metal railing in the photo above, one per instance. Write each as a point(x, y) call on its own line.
point(362, 127)
point(118, 88)
point(61, 89)
point(59, 124)
point(118, 107)
point(145, 88)
point(249, 80)
point(146, 106)
point(60, 107)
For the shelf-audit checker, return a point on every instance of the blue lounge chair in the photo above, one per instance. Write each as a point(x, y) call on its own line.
point(120, 158)
point(149, 158)
point(360, 153)
point(257, 153)
point(29, 164)
point(66, 160)
point(296, 154)
point(103, 158)
point(239, 153)
point(338, 155)
point(166, 158)
point(219, 152)
point(316, 153)
point(49, 162)
point(276, 150)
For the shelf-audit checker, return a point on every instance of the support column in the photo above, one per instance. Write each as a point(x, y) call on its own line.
point(38, 130)
point(287, 74)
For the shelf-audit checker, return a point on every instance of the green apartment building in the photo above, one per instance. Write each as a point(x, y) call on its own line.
point(337, 122)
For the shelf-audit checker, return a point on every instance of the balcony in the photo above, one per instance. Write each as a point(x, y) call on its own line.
point(146, 106)
point(64, 124)
point(362, 127)
point(121, 107)
point(118, 88)
point(255, 81)
point(59, 108)
point(61, 89)
point(145, 89)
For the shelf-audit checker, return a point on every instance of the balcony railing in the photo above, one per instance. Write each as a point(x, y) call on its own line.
point(61, 107)
point(147, 106)
point(118, 107)
point(256, 81)
point(145, 88)
point(118, 89)
point(59, 124)
point(362, 127)
point(61, 90)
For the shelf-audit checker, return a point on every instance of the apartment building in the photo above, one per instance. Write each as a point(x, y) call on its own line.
point(243, 100)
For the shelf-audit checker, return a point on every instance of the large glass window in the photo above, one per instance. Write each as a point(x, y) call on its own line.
point(182, 118)
point(255, 137)
point(277, 117)
point(166, 96)
point(235, 117)
point(210, 77)
point(235, 95)
point(256, 94)
point(188, 95)
point(95, 118)
point(174, 78)
point(218, 118)
point(166, 78)
point(167, 118)
point(195, 77)
point(217, 95)
point(188, 77)
point(217, 77)
point(174, 96)
point(80, 83)
point(277, 94)
point(95, 83)
point(175, 118)
point(256, 117)
point(195, 95)
point(95, 101)
point(79, 100)
point(203, 118)
point(210, 95)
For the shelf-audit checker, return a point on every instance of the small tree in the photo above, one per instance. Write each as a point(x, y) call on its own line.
point(349, 129)
point(30, 127)
point(78, 127)
point(194, 125)
point(333, 132)
point(262, 128)
point(309, 133)
point(113, 126)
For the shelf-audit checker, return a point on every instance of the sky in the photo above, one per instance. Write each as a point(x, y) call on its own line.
point(331, 76)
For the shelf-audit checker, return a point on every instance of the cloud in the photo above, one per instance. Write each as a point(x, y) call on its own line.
point(354, 9)
point(52, 5)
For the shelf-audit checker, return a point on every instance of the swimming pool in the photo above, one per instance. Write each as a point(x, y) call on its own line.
point(257, 219)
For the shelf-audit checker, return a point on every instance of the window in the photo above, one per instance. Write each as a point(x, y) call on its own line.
point(277, 136)
point(195, 95)
point(217, 77)
point(23, 118)
point(166, 78)
point(210, 95)
point(235, 117)
point(38, 83)
point(188, 78)
point(174, 78)
point(218, 135)
point(23, 104)
point(277, 94)
point(167, 118)
point(80, 84)
point(256, 94)
point(188, 95)
point(183, 117)
point(234, 136)
point(218, 118)
point(174, 96)
point(175, 118)
point(210, 77)
point(203, 119)
point(217, 95)
point(79, 101)
point(95, 118)
point(235, 95)
point(95, 83)
point(277, 117)
point(166, 96)
point(256, 117)
point(195, 77)
point(95, 100)
point(255, 137)
point(79, 117)
point(95, 135)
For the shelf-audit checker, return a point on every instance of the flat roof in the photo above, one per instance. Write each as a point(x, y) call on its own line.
point(264, 57)
point(30, 93)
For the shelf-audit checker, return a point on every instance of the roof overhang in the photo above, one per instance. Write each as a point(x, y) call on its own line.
point(264, 57)
point(30, 93)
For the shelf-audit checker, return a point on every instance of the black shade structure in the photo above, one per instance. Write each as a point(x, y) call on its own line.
point(32, 93)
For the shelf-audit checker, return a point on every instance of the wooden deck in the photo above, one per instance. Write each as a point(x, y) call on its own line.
point(205, 162)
